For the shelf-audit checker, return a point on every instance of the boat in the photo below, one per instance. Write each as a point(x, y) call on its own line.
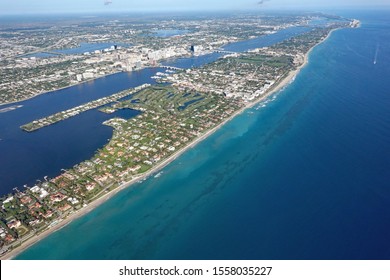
point(11, 108)
point(376, 54)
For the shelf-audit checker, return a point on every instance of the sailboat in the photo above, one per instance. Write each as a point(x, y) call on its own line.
point(376, 54)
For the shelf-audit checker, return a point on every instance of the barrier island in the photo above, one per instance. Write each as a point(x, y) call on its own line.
point(186, 107)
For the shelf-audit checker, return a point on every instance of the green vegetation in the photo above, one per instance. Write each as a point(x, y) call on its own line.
point(52, 119)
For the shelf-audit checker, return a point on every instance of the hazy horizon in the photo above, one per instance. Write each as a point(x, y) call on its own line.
point(101, 6)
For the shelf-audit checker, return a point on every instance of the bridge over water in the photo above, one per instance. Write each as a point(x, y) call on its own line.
point(223, 51)
point(171, 67)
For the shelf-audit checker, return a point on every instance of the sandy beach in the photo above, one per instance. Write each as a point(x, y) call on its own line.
point(278, 86)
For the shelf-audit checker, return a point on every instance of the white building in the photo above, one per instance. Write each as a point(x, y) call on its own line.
point(88, 75)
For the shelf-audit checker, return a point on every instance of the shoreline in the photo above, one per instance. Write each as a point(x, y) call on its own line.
point(61, 88)
point(279, 86)
point(107, 75)
point(79, 83)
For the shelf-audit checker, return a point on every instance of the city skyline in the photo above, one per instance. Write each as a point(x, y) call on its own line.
point(90, 6)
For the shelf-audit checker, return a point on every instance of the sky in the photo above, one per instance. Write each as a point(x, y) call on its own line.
point(89, 6)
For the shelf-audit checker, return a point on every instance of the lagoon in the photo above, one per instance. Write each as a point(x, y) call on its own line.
point(28, 157)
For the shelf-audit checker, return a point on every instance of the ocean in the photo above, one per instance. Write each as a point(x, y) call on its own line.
point(302, 175)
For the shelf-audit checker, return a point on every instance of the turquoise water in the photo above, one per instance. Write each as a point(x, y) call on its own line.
point(305, 177)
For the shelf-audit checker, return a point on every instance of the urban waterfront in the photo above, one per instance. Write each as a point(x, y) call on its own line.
point(303, 177)
point(30, 157)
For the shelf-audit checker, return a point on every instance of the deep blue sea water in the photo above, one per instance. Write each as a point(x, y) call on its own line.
point(305, 177)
